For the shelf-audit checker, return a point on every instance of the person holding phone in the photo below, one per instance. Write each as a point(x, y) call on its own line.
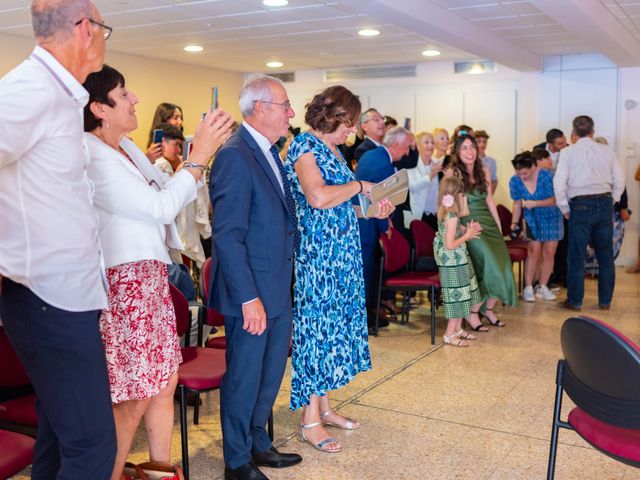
point(137, 207)
point(165, 113)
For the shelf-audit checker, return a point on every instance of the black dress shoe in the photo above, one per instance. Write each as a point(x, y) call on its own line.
point(274, 459)
point(248, 471)
point(569, 306)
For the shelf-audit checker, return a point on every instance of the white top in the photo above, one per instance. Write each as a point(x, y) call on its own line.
point(193, 220)
point(587, 168)
point(554, 156)
point(265, 146)
point(423, 189)
point(48, 227)
point(136, 203)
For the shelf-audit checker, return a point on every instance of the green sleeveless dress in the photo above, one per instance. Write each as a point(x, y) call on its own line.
point(489, 253)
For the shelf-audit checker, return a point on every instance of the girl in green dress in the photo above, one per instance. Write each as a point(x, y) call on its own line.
point(460, 293)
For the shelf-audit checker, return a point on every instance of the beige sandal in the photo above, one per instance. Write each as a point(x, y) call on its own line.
point(348, 424)
point(463, 334)
point(322, 443)
point(454, 341)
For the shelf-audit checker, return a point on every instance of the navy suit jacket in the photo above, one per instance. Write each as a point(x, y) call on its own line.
point(253, 233)
point(374, 166)
point(363, 148)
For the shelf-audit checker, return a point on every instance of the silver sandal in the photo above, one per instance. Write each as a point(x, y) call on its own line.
point(348, 425)
point(322, 443)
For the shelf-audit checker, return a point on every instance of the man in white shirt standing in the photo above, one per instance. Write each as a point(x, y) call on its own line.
point(51, 278)
point(588, 181)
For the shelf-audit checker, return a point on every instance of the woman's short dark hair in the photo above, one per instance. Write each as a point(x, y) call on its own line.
point(479, 180)
point(525, 159)
point(332, 107)
point(540, 154)
point(99, 84)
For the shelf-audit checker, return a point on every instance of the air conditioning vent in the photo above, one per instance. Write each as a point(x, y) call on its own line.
point(286, 77)
point(381, 71)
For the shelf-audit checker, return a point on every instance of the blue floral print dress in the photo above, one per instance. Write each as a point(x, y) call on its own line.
point(330, 342)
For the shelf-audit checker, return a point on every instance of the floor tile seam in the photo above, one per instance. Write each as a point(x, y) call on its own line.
point(450, 422)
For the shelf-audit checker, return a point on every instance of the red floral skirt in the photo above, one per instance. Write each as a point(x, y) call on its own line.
point(139, 331)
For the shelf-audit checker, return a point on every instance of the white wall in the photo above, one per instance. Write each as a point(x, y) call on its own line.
point(517, 109)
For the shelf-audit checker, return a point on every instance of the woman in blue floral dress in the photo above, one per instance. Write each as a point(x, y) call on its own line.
point(330, 344)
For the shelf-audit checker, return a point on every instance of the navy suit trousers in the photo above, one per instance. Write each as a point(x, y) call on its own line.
point(255, 366)
point(63, 355)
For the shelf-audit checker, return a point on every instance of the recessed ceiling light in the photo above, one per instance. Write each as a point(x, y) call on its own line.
point(275, 3)
point(193, 48)
point(368, 32)
point(431, 53)
point(275, 64)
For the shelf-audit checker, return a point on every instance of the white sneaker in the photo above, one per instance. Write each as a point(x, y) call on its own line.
point(527, 294)
point(544, 293)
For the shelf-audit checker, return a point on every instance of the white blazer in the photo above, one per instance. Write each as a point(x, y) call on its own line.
point(137, 206)
point(421, 192)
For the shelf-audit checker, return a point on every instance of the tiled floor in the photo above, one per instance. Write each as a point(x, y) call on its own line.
point(444, 413)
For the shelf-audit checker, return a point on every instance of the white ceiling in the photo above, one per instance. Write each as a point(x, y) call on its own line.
point(242, 35)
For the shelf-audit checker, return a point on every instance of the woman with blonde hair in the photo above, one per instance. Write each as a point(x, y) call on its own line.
point(441, 139)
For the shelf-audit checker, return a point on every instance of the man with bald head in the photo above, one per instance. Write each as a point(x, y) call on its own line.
point(51, 275)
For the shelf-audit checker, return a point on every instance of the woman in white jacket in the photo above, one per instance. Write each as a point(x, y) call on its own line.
point(423, 183)
point(137, 208)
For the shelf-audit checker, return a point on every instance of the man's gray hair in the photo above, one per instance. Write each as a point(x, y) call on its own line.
point(363, 115)
point(395, 135)
point(256, 88)
point(57, 17)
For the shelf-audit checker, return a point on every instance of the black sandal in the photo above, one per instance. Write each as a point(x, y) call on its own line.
point(478, 328)
point(498, 322)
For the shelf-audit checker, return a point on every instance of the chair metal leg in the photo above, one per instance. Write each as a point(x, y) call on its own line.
point(433, 315)
point(379, 298)
point(196, 409)
point(270, 425)
point(556, 422)
point(183, 431)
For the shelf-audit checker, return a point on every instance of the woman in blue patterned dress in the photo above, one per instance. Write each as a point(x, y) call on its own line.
point(532, 191)
point(330, 344)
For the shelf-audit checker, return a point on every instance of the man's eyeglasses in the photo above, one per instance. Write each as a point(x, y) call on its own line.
point(286, 105)
point(106, 31)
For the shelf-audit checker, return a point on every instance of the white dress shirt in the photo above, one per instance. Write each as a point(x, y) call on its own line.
point(265, 146)
point(48, 227)
point(554, 156)
point(586, 168)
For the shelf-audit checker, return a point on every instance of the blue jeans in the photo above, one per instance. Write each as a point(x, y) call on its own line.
point(590, 220)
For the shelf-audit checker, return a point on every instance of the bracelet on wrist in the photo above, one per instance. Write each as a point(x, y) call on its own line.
point(194, 165)
point(361, 186)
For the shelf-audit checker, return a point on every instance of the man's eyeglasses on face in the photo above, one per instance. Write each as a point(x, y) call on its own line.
point(106, 31)
point(286, 105)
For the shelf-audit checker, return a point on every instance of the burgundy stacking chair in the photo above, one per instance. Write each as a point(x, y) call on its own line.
point(209, 316)
point(18, 414)
point(517, 248)
point(423, 236)
point(16, 453)
point(396, 256)
point(201, 371)
point(599, 373)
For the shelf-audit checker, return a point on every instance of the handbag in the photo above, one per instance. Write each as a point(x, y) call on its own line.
point(152, 471)
point(638, 174)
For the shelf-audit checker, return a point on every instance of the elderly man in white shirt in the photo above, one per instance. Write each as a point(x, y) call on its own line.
point(52, 287)
point(588, 181)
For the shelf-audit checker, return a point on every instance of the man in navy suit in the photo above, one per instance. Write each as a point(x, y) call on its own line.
point(375, 166)
point(252, 263)
point(372, 123)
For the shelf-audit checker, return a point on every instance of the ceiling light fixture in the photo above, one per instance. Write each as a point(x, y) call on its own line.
point(275, 3)
point(368, 32)
point(193, 48)
point(431, 53)
point(275, 64)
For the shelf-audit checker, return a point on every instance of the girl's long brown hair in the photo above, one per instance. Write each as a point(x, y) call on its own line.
point(476, 181)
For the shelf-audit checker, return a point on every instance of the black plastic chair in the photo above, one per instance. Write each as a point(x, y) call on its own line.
point(599, 373)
